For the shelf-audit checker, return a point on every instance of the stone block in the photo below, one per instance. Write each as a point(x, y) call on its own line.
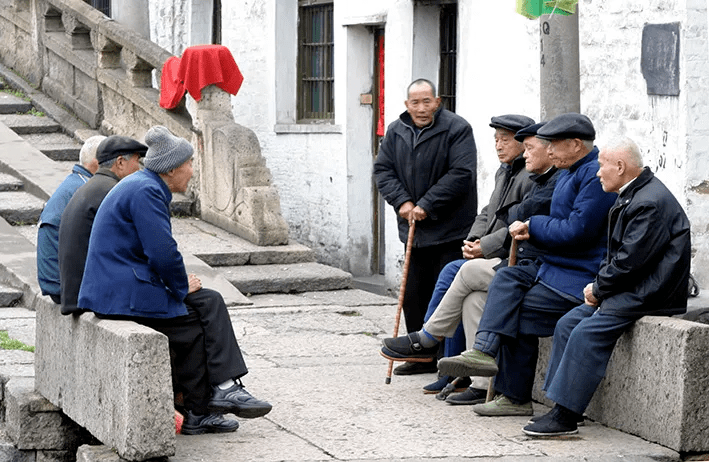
point(111, 377)
point(656, 382)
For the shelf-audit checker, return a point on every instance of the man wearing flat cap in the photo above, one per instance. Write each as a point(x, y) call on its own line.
point(135, 271)
point(48, 226)
point(426, 170)
point(461, 297)
point(525, 301)
point(117, 156)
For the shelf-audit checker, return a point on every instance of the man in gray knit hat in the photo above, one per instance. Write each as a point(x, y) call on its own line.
point(135, 271)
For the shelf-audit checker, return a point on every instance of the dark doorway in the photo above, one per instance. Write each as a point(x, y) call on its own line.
point(448, 51)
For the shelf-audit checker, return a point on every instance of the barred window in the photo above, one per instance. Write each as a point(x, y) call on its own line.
point(315, 61)
point(448, 44)
point(104, 6)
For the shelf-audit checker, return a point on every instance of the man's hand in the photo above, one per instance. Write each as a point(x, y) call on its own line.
point(409, 212)
point(472, 249)
point(589, 299)
point(519, 230)
point(194, 283)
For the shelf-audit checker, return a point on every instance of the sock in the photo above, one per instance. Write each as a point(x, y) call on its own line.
point(427, 340)
point(228, 384)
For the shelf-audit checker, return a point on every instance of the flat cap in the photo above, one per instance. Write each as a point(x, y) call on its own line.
point(568, 126)
point(117, 145)
point(529, 130)
point(511, 122)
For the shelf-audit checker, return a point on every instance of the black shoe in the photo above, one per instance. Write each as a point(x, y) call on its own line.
point(408, 348)
point(415, 368)
point(468, 397)
point(557, 422)
point(581, 420)
point(209, 423)
point(238, 401)
point(443, 381)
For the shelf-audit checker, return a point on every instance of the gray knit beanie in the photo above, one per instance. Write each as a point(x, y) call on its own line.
point(165, 150)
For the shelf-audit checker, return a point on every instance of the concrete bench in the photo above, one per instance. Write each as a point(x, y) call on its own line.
point(111, 377)
point(656, 383)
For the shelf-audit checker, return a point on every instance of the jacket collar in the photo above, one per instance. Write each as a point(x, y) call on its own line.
point(405, 117)
point(590, 157)
point(149, 173)
point(105, 171)
point(81, 170)
point(541, 178)
point(641, 180)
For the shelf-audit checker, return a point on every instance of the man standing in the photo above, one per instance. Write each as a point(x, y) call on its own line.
point(465, 297)
point(525, 301)
point(48, 232)
point(118, 157)
point(426, 169)
point(135, 271)
point(645, 272)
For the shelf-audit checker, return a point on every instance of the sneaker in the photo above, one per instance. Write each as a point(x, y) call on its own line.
point(238, 401)
point(468, 397)
point(502, 406)
point(557, 422)
point(443, 380)
point(409, 368)
point(468, 364)
point(408, 348)
point(194, 424)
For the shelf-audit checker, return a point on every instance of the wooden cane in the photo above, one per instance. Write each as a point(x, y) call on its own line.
point(511, 261)
point(402, 288)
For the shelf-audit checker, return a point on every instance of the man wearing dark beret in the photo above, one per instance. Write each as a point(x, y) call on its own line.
point(426, 170)
point(525, 301)
point(135, 271)
point(482, 250)
point(118, 156)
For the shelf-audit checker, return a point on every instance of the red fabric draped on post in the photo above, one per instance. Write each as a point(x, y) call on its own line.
point(199, 66)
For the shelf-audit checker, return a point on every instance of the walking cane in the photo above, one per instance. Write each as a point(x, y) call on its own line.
point(404, 275)
point(511, 261)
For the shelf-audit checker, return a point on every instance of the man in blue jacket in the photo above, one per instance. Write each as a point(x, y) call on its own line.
point(49, 220)
point(645, 272)
point(135, 271)
point(426, 170)
point(525, 301)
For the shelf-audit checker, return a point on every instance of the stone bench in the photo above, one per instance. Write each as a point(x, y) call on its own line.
point(656, 383)
point(111, 377)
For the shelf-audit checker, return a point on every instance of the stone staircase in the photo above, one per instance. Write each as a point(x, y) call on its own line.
point(251, 269)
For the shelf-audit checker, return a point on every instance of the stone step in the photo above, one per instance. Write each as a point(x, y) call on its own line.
point(286, 278)
point(12, 104)
point(10, 183)
point(19, 207)
point(24, 124)
point(9, 296)
point(56, 146)
point(181, 206)
point(218, 247)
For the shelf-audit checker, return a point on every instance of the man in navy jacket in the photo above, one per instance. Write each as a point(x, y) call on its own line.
point(645, 272)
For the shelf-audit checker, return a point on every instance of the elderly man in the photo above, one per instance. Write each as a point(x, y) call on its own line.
point(48, 232)
point(135, 271)
point(645, 272)
point(465, 297)
point(525, 301)
point(426, 170)
point(117, 156)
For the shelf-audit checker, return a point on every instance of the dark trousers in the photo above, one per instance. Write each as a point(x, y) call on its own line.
point(583, 343)
point(203, 348)
point(424, 266)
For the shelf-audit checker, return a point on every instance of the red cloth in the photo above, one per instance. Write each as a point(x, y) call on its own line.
point(199, 66)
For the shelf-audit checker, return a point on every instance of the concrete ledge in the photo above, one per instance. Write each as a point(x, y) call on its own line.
point(656, 383)
point(111, 377)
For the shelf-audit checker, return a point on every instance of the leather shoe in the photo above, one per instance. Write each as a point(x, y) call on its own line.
point(408, 348)
point(238, 401)
point(468, 397)
point(415, 368)
point(210, 423)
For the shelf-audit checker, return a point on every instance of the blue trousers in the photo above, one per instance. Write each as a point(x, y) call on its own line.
point(583, 343)
point(518, 311)
point(452, 346)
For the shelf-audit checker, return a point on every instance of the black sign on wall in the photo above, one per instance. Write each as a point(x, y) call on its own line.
point(660, 58)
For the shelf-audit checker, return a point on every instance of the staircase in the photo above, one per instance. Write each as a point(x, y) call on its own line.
point(251, 269)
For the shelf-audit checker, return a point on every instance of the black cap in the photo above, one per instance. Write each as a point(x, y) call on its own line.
point(511, 122)
point(568, 126)
point(530, 130)
point(117, 145)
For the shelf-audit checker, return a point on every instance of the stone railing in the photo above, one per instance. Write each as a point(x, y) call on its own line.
point(105, 73)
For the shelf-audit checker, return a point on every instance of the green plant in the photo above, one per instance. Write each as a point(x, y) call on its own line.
point(16, 93)
point(35, 112)
point(7, 343)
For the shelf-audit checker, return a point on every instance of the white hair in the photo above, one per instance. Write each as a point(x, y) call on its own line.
point(629, 148)
point(88, 150)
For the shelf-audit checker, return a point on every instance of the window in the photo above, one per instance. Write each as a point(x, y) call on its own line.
point(315, 61)
point(104, 6)
point(448, 44)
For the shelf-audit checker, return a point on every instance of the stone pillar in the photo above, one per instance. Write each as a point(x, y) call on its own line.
point(559, 80)
point(133, 14)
